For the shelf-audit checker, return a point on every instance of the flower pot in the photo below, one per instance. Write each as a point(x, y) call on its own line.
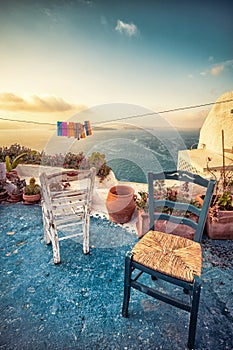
point(31, 199)
point(15, 197)
point(70, 175)
point(142, 223)
point(3, 195)
point(2, 171)
point(180, 230)
point(143, 226)
point(120, 203)
point(11, 175)
point(221, 226)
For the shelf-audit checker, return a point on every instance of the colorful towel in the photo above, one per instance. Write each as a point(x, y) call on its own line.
point(59, 128)
point(64, 129)
point(87, 126)
point(71, 129)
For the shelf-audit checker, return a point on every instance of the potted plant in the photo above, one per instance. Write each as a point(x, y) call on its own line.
point(17, 194)
point(11, 164)
point(32, 192)
point(219, 224)
point(3, 191)
point(97, 160)
point(142, 207)
point(170, 193)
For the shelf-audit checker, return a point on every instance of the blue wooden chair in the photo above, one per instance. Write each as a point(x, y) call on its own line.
point(167, 256)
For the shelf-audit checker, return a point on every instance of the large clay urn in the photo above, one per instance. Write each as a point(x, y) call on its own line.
point(120, 203)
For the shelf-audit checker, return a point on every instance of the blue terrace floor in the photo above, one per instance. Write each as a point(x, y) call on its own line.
point(77, 304)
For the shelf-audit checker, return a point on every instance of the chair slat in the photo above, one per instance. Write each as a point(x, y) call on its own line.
point(65, 209)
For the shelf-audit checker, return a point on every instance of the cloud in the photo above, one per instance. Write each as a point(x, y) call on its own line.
point(12, 102)
point(204, 73)
point(128, 29)
point(216, 70)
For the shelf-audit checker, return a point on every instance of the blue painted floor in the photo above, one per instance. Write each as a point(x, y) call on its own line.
point(77, 304)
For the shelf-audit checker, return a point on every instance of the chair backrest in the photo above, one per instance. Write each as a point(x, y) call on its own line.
point(174, 204)
point(56, 186)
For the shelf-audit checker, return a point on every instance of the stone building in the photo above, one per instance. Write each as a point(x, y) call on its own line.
point(215, 141)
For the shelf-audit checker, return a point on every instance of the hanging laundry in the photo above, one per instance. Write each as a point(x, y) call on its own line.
point(77, 130)
point(59, 128)
point(71, 129)
point(64, 129)
point(83, 134)
point(87, 126)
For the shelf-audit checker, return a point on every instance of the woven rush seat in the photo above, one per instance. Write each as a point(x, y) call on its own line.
point(172, 255)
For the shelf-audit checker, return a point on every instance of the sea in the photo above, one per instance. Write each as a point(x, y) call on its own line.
point(132, 153)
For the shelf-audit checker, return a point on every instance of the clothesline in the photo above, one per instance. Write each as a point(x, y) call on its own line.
point(72, 129)
point(127, 117)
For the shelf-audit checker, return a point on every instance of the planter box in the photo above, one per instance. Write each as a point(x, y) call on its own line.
point(142, 223)
point(222, 227)
point(162, 226)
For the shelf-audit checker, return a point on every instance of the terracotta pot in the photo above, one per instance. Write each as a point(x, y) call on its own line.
point(120, 203)
point(143, 225)
point(3, 195)
point(11, 175)
point(15, 197)
point(222, 227)
point(31, 199)
point(2, 171)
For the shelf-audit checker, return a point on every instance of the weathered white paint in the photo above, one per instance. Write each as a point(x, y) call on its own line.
point(67, 209)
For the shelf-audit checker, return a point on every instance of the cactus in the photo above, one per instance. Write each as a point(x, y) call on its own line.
point(32, 188)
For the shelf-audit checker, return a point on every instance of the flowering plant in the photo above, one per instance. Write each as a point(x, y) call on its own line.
point(142, 201)
point(223, 198)
point(166, 193)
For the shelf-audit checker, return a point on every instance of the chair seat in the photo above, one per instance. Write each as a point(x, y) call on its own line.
point(169, 254)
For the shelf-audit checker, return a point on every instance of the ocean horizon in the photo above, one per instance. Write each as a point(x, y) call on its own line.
point(131, 152)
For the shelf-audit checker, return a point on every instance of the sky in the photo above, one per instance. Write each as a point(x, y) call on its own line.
point(59, 57)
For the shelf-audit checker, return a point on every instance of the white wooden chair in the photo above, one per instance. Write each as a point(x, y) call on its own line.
point(66, 206)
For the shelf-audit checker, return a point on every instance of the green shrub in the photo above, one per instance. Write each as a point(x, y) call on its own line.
point(67, 161)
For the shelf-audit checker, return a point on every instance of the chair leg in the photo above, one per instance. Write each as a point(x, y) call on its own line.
point(86, 229)
point(46, 224)
point(128, 272)
point(55, 244)
point(194, 312)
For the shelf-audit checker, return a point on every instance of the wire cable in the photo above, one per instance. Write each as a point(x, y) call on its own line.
point(124, 118)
